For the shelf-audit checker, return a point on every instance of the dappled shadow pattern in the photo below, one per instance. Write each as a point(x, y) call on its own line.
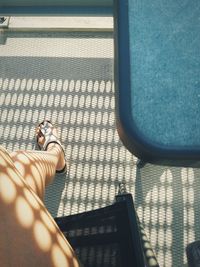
point(68, 78)
point(29, 235)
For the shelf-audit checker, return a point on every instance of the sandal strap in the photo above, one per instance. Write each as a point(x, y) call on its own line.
point(46, 129)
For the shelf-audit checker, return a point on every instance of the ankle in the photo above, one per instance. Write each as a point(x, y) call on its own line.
point(54, 146)
point(58, 151)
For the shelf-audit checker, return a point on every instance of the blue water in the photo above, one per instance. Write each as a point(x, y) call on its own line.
point(165, 70)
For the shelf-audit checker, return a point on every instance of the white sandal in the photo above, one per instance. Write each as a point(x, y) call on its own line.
point(46, 130)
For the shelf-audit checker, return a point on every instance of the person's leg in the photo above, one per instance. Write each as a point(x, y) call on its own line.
point(38, 167)
point(29, 235)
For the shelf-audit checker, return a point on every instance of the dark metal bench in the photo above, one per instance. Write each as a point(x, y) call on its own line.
point(109, 237)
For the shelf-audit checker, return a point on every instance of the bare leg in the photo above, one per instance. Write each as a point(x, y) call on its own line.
point(29, 235)
point(38, 167)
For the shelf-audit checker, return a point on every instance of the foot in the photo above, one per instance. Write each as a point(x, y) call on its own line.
point(47, 139)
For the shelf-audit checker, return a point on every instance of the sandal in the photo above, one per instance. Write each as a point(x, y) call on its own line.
point(46, 130)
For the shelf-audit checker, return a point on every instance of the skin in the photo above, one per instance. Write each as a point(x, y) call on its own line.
point(29, 235)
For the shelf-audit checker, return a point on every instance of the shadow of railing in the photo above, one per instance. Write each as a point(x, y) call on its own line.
point(167, 199)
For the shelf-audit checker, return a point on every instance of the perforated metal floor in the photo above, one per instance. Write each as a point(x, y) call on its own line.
point(68, 78)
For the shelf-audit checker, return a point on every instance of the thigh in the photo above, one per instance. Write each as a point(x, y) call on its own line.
point(32, 169)
point(29, 235)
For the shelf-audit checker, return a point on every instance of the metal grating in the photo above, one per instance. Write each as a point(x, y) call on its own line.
point(68, 78)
